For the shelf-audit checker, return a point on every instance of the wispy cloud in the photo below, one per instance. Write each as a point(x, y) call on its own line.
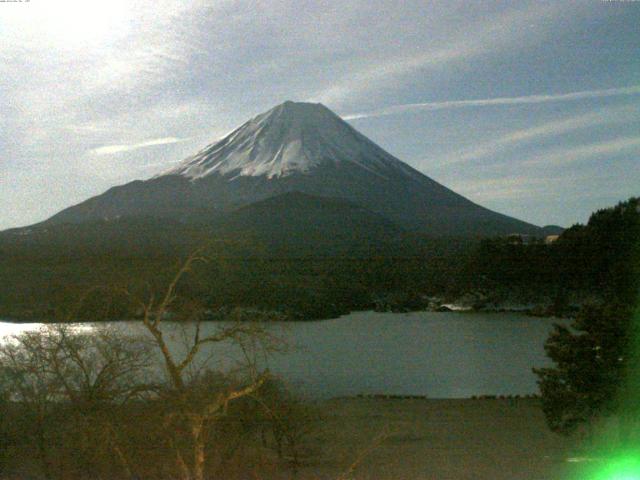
point(518, 186)
point(589, 151)
point(447, 47)
point(499, 101)
point(518, 138)
point(114, 149)
point(503, 187)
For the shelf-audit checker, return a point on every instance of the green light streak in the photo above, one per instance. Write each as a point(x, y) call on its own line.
point(621, 467)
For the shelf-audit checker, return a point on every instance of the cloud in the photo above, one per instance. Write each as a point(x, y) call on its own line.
point(499, 101)
point(543, 175)
point(113, 149)
point(518, 186)
point(514, 139)
point(449, 44)
point(563, 156)
point(502, 188)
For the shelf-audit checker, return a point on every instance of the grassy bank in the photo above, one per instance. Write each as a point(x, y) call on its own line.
point(438, 439)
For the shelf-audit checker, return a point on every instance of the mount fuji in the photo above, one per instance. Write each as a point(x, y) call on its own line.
point(301, 149)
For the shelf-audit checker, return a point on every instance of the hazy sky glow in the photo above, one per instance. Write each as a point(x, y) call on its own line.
point(529, 108)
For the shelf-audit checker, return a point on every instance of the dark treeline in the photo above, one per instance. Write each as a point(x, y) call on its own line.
point(595, 260)
point(43, 272)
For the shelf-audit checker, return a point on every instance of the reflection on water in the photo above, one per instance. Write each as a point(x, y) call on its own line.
point(8, 329)
point(441, 355)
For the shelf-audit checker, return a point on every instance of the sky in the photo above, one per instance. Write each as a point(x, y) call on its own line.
point(529, 108)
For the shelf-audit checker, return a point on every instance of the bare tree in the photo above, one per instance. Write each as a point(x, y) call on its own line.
point(100, 399)
point(24, 377)
point(192, 406)
point(78, 379)
point(289, 422)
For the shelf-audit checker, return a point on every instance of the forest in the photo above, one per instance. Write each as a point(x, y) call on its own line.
point(44, 273)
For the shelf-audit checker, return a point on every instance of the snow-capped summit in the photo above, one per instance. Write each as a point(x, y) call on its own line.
point(291, 137)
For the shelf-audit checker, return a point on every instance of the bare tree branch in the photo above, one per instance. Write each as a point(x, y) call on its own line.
point(169, 296)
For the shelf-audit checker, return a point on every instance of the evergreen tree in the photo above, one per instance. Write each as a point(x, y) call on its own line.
point(596, 359)
point(590, 364)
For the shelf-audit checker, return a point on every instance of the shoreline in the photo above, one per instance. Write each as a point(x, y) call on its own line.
point(445, 308)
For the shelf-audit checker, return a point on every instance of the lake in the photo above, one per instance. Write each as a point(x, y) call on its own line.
point(440, 355)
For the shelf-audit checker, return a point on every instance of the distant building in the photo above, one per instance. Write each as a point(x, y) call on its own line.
point(549, 239)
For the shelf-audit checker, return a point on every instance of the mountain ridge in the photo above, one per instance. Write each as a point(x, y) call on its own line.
point(300, 147)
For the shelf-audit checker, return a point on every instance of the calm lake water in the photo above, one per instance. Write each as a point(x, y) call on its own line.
point(440, 355)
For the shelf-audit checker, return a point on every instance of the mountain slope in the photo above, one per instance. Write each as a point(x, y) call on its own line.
point(297, 147)
point(291, 223)
point(295, 223)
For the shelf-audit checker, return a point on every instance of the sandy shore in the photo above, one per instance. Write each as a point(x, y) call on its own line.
point(439, 440)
